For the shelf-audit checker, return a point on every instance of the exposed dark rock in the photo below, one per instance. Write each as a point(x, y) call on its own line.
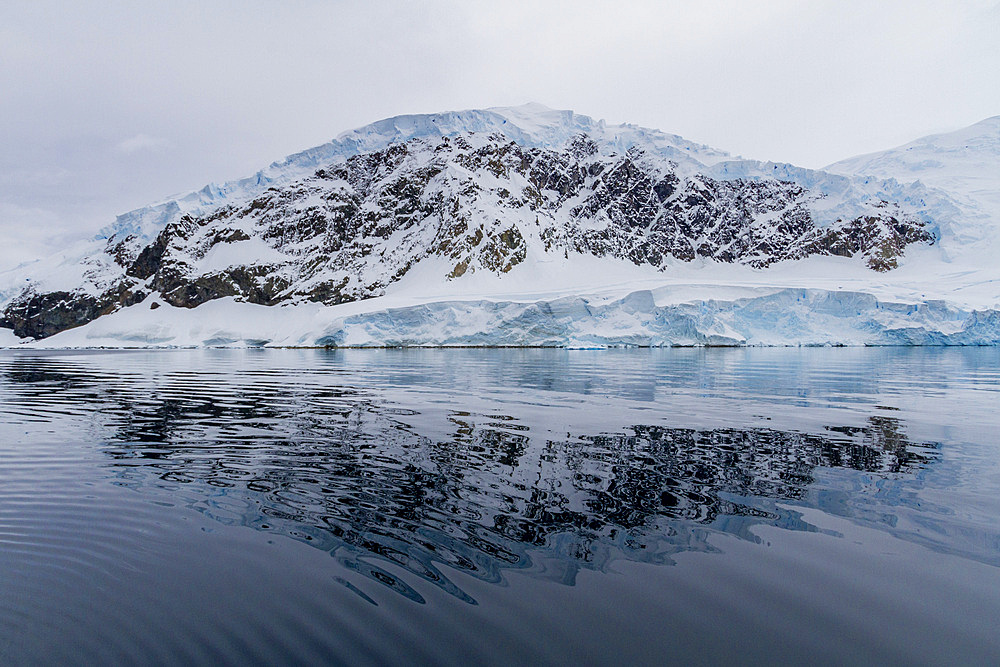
point(254, 284)
point(148, 262)
point(41, 315)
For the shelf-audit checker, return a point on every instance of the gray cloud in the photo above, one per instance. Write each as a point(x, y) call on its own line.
point(125, 103)
point(141, 142)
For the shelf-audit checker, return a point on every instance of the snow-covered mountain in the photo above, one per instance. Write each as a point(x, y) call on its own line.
point(527, 225)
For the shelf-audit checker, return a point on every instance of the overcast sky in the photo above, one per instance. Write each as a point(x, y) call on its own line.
point(107, 106)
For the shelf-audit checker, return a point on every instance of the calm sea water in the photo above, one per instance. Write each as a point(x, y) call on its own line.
point(500, 506)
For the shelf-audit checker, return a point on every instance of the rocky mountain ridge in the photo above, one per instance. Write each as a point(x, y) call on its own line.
point(483, 202)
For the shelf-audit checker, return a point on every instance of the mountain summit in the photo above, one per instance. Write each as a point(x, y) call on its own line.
point(491, 199)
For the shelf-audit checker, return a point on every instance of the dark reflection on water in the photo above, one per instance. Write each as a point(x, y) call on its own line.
point(467, 502)
point(340, 469)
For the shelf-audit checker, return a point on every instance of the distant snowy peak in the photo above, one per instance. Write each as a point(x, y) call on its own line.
point(530, 125)
point(964, 163)
point(949, 156)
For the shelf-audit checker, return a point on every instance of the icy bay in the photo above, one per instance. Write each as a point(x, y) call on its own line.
point(500, 506)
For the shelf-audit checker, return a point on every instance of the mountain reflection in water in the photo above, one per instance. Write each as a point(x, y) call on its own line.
point(348, 471)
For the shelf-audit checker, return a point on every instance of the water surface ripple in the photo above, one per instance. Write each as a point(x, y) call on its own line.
point(500, 506)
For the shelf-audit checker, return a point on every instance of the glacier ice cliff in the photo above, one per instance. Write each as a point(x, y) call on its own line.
point(786, 317)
